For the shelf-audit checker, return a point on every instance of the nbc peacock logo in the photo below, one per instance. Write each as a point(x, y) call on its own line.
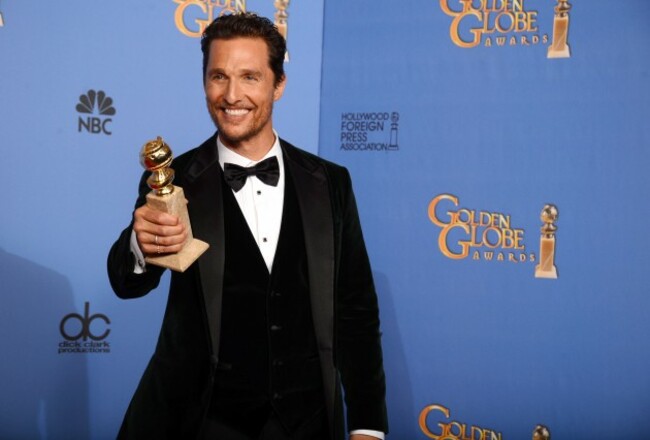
point(95, 103)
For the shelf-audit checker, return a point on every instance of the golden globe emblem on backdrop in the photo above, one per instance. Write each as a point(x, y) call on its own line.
point(559, 48)
point(282, 21)
point(546, 267)
point(541, 432)
point(156, 156)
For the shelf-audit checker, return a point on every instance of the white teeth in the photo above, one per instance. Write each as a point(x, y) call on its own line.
point(236, 111)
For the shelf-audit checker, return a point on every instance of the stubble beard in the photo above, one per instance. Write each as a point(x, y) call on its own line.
point(233, 140)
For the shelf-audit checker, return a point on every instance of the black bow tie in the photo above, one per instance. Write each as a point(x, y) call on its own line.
point(267, 171)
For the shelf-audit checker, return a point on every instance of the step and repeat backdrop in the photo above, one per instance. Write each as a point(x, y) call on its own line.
point(499, 151)
point(83, 85)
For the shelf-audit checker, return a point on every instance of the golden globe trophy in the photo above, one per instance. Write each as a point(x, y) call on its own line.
point(156, 156)
point(546, 267)
point(541, 432)
point(559, 47)
point(282, 21)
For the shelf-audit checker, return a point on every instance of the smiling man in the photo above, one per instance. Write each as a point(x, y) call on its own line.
point(266, 331)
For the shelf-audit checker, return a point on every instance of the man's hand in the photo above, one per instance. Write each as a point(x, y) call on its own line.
point(362, 437)
point(158, 232)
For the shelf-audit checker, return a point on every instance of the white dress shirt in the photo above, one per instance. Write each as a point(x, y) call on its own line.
point(261, 205)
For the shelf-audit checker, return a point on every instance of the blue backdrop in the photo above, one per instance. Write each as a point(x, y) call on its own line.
point(476, 346)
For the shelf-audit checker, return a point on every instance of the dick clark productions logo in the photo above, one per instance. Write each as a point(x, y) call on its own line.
point(95, 103)
point(85, 334)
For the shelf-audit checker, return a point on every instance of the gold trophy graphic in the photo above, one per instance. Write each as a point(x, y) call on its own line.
point(546, 267)
point(282, 21)
point(156, 156)
point(559, 47)
point(541, 432)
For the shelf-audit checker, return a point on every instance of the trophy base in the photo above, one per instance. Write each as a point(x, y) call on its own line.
point(558, 53)
point(545, 273)
point(180, 261)
point(176, 204)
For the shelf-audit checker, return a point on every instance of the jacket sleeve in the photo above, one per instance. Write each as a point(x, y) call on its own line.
point(358, 337)
point(121, 261)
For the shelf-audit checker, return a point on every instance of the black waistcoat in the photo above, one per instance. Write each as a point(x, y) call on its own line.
point(268, 355)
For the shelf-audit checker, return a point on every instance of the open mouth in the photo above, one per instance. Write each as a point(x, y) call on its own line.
point(236, 111)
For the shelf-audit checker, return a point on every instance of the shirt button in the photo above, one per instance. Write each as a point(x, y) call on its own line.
point(277, 396)
point(264, 239)
point(275, 328)
point(259, 192)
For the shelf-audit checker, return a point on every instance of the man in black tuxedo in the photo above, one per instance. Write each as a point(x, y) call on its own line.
point(266, 329)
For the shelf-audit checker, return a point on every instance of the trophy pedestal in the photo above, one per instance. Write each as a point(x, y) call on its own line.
point(543, 273)
point(175, 204)
point(565, 52)
point(559, 48)
point(546, 267)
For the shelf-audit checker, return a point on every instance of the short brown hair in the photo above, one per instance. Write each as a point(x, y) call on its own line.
point(247, 25)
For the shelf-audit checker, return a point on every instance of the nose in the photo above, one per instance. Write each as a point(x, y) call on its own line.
point(233, 92)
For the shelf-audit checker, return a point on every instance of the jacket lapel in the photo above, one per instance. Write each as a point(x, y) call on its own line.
point(313, 194)
point(205, 206)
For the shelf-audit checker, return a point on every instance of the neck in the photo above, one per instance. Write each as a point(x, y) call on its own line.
point(254, 149)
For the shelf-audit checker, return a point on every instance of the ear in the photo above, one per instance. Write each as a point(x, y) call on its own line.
point(279, 88)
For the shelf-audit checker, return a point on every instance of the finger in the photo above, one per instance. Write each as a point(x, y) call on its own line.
point(164, 240)
point(156, 217)
point(156, 223)
point(152, 245)
point(143, 226)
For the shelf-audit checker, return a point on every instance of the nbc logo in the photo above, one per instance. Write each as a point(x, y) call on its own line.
point(87, 105)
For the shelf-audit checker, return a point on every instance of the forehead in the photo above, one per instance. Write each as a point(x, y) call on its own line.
point(242, 52)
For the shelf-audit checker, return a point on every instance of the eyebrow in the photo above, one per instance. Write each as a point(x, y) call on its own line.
point(253, 72)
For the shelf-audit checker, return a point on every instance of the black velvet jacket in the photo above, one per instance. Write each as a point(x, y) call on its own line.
point(175, 389)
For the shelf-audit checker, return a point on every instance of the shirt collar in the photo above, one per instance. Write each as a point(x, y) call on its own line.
point(230, 156)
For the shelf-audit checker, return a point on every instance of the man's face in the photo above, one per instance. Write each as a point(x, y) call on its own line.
point(240, 90)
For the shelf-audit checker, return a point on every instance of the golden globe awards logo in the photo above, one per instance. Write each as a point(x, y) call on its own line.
point(451, 430)
point(193, 16)
point(504, 23)
point(84, 333)
point(476, 234)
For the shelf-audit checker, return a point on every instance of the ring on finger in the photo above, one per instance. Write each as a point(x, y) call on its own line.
point(155, 239)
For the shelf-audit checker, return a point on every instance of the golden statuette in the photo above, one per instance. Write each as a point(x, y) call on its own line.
point(546, 267)
point(156, 156)
point(559, 47)
point(541, 432)
point(282, 21)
